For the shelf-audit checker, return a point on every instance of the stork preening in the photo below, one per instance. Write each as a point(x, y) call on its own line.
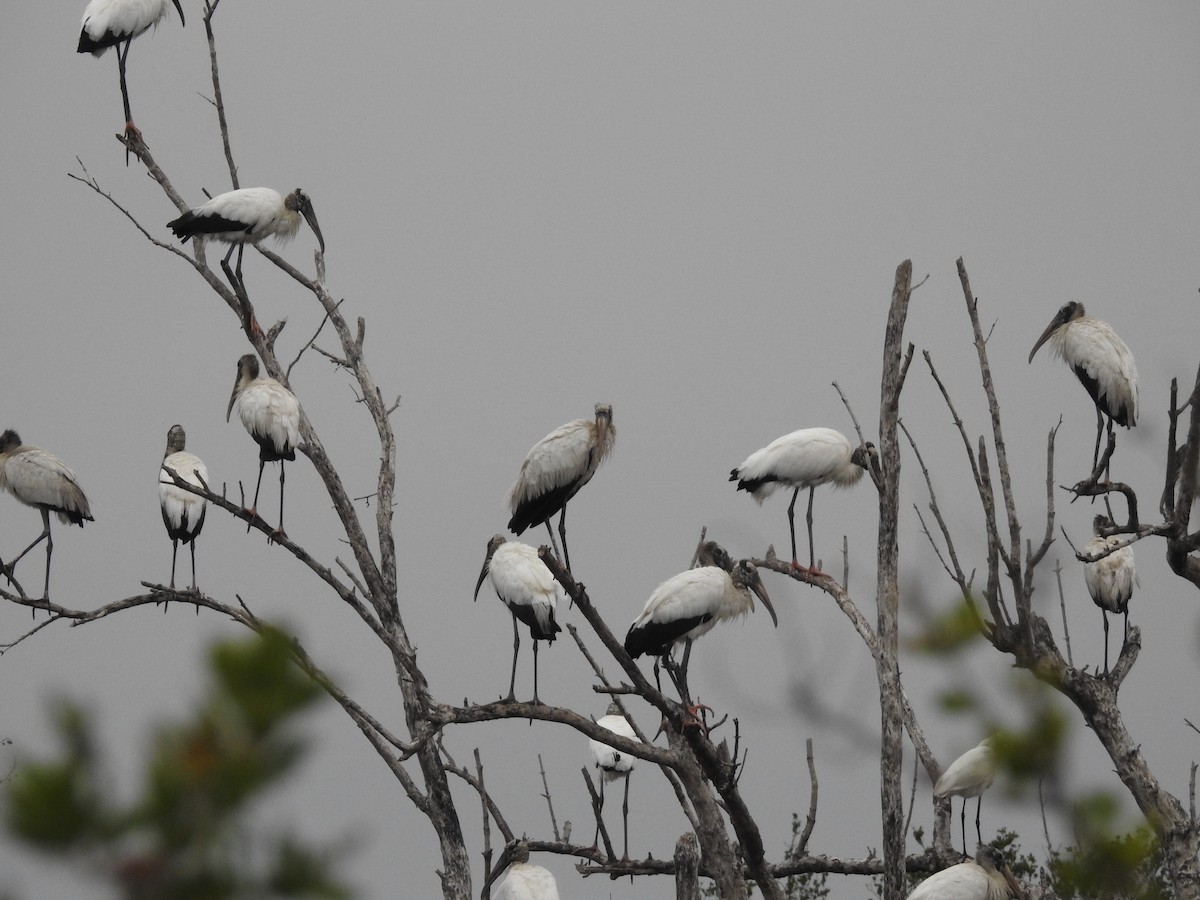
point(1111, 578)
point(182, 511)
point(690, 604)
point(969, 776)
point(987, 878)
point(554, 470)
point(271, 413)
point(526, 881)
point(803, 459)
point(40, 479)
point(247, 216)
point(115, 23)
point(1102, 363)
point(613, 764)
point(529, 591)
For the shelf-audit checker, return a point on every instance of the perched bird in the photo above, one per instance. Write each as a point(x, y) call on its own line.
point(246, 216)
point(271, 413)
point(987, 878)
point(529, 591)
point(688, 605)
point(803, 459)
point(1109, 579)
point(111, 23)
point(554, 470)
point(613, 764)
point(40, 479)
point(969, 776)
point(182, 512)
point(526, 881)
point(1100, 360)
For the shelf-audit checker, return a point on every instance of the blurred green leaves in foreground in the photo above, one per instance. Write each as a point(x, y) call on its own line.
point(187, 836)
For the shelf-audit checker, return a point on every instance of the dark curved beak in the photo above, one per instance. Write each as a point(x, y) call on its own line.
point(761, 591)
point(1045, 337)
point(232, 399)
point(311, 218)
point(1014, 886)
point(482, 575)
point(180, 8)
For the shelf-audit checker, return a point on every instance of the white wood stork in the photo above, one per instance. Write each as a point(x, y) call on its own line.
point(613, 764)
point(529, 591)
point(40, 479)
point(803, 459)
point(247, 216)
point(525, 881)
point(113, 23)
point(690, 604)
point(987, 878)
point(554, 470)
point(182, 512)
point(1100, 360)
point(271, 413)
point(969, 776)
point(1110, 579)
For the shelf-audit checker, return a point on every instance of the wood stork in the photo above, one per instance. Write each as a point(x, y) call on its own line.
point(554, 470)
point(271, 413)
point(525, 881)
point(690, 604)
point(113, 23)
point(40, 479)
point(803, 459)
point(1100, 360)
point(969, 776)
point(987, 878)
point(1109, 579)
point(182, 512)
point(529, 591)
point(246, 216)
point(613, 764)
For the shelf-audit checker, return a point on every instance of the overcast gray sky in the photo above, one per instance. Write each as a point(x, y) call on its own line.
point(692, 212)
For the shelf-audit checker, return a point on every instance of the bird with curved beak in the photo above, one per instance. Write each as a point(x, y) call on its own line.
point(988, 877)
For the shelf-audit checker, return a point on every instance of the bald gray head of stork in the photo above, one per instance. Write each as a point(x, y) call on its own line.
point(493, 545)
point(1068, 313)
point(745, 575)
point(991, 860)
point(297, 201)
point(247, 371)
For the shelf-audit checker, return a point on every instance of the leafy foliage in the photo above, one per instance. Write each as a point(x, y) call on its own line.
point(186, 837)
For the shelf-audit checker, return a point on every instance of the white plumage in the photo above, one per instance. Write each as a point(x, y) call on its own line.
point(689, 605)
point(40, 479)
point(803, 459)
point(1110, 579)
point(271, 414)
point(247, 216)
point(987, 878)
point(613, 763)
point(554, 470)
point(182, 512)
point(529, 591)
point(525, 881)
point(969, 776)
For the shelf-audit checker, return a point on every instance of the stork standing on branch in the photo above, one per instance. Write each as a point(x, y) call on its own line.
point(182, 511)
point(803, 459)
point(529, 591)
point(969, 776)
point(1111, 578)
point(613, 764)
point(554, 470)
point(271, 413)
point(1102, 363)
point(40, 479)
point(115, 23)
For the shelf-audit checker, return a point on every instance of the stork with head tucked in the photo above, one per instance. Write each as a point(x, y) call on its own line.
point(271, 413)
point(182, 511)
point(529, 591)
point(803, 459)
point(115, 23)
point(969, 776)
point(40, 479)
point(613, 764)
point(1111, 578)
point(987, 878)
point(554, 470)
point(1100, 360)
point(526, 881)
point(690, 604)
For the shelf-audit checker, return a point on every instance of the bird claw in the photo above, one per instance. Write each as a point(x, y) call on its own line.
point(694, 720)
